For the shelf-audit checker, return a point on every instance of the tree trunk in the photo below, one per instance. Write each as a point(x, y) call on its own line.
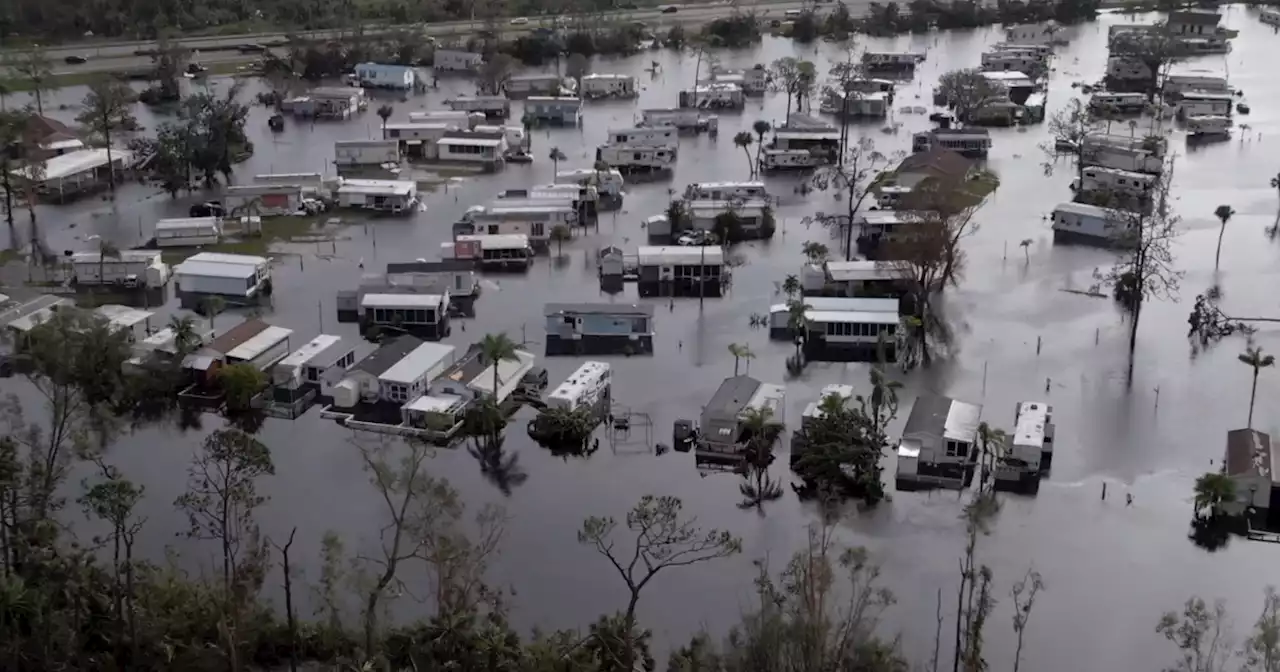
point(1253, 394)
point(288, 605)
point(8, 205)
point(628, 637)
point(117, 593)
point(111, 166)
point(128, 584)
point(39, 99)
point(1217, 256)
point(735, 365)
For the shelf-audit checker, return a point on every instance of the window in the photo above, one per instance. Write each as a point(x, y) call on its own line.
point(313, 373)
point(397, 392)
point(636, 156)
point(538, 229)
point(957, 449)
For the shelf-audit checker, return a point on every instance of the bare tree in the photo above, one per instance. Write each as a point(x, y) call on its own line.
point(1146, 271)
point(114, 500)
point(1262, 648)
point(1069, 131)
point(1024, 599)
point(457, 562)
point(793, 77)
point(663, 539)
point(107, 113)
point(846, 85)
point(967, 92)
point(1201, 634)
point(854, 176)
point(34, 67)
point(290, 618)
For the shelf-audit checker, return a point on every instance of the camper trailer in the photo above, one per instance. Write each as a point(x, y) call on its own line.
point(685, 120)
point(637, 159)
point(645, 136)
point(1088, 225)
point(502, 252)
point(1121, 103)
point(1206, 127)
point(891, 61)
point(725, 191)
point(609, 86)
point(1201, 104)
point(588, 387)
point(609, 183)
point(779, 160)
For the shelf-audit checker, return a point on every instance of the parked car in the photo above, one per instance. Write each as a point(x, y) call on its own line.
point(195, 68)
point(670, 9)
point(519, 21)
point(696, 237)
point(76, 60)
point(252, 49)
point(207, 209)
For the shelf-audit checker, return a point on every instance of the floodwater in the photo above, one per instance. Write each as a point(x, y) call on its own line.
point(1016, 328)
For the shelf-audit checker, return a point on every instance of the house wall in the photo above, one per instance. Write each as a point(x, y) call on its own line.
point(200, 284)
point(271, 355)
point(368, 384)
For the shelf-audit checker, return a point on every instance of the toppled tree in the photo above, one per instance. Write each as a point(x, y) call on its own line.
point(967, 92)
point(1208, 324)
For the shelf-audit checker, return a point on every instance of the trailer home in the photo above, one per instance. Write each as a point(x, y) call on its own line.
point(133, 323)
point(188, 232)
point(1090, 225)
point(523, 86)
point(609, 86)
point(683, 119)
point(598, 328)
point(485, 150)
point(938, 444)
point(492, 252)
point(320, 363)
point(422, 315)
point(393, 196)
point(237, 278)
point(779, 160)
point(637, 159)
point(1012, 61)
point(266, 200)
point(261, 350)
point(609, 183)
point(1204, 81)
point(1032, 33)
point(754, 216)
point(492, 107)
point(588, 388)
point(554, 110)
point(726, 191)
point(1118, 103)
point(645, 136)
point(352, 153)
point(459, 118)
point(850, 335)
point(1125, 183)
point(782, 326)
point(126, 268)
point(386, 76)
point(680, 271)
point(1140, 155)
point(1208, 127)
point(714, 97)
point(1202, 104)
point(973, 143)
point(821, 141)
point(1029, 450)
point(884, 61)
point(455, 60)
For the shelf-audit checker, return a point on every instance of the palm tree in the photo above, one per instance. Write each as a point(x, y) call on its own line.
point(1223, 213)
point(556, 157)
point(759, 487)
point(760, 127)
point(1213, 491)
point(1026, 248)
point(797, 323)
point(1254, 357)
point(991, 444)
point(185, 338)
point(791, 286)
point(385, 113)
point(560, 233)
point(213, 305)
point(758, 426)
point(106, 249)
point(527, 121)
point(741, 352)
point(495, 348)
point(744, 139)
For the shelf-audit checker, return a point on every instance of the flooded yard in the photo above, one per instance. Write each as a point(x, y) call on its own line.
point(1018, 331)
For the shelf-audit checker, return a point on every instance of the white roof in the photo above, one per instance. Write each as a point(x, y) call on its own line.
point(401, 301)
point(223, 258)
point(310, 350)
point(606, 76)
point(395, 187)
point(886, 217)
point(1030, 427)
point(770, 396)
point(797, 134)
point(548, 205)
point(123, 317)
point(1143, 177)
point(417, 363)
point(860, 269)
point(469, 142)
point(1083, 209)
point(211, 269)
point(667, 255)
point(73, 163)
point(722, 206)
point(573, 387)
point(1005, 76)
point(813, 410)
point(1205, 95)
point(70, 143)
point(536, 77)
point(844, 305)
point(259, 343)
point(505, 241)
point(962, 421)
point(851, 317)
point(425, 125)
point(126, 257)
point(435, 403)
point(508, 370)
point(194, 222)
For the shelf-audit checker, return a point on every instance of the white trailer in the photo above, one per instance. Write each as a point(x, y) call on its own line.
point(645, 136)
point(128, 267)
point(1128, 103)
point(789, 159)
point(263, 349)
point(454, 60)
point(1114, 181)
point(637, 159)
point(726, 191)
point(366, 152)
point(1089, 224)
point(188, 232)
point(1200, 104)
point(493, 107)
point(1194, 81)
point(682, 119)
point(1208, 127)
point(609, 86)
point(1011, 61)
point(1033, 434)
point(585, 388)
point(609, 183)
point(460, 118)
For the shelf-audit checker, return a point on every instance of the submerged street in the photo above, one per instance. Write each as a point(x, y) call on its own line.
point(1017, 328)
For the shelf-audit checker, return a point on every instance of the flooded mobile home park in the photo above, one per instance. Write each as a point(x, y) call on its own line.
point(1029, 330)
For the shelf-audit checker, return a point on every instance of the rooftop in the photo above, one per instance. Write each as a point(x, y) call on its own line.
point(212, 269)
point(317, 352)
point(938, 162)
point(74, 163)
point(442, 266)
point(402, 300)
point(223, 258)
point(943, 417)
point(391, 351)
point(259, 343)
point(238, 334)
point(395, 187)
point(734, 395)
point(1249, 453)
point(469, 142)
point(860, 270)
point(598, 309)
point(419, 361)
point(123, 317)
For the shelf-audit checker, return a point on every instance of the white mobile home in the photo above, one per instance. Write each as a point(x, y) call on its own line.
point(310, 182)
point(410, 377)
point(840, 335)
point(789, 159)
point(423, 315)
point(188, 232)
point(238, 278)
point(857, 278)
point(262, 350)
point(135, 323)
point(1012, 61)
point(265, 199)
point(483, 151)
point(361, 383)
point(645, 136)
point(522, 86)
point(726, 191)
point(556, 110)
point(887, 61)
point(1124, 103)
point(637, 159)
point(780, 314)
point(322, 362)
point(1089, 225)
point(681, 119)
point(454, 60)
point(585, 388)
point(1119, 182)
point(714, 96)
point(609, 183)
point(823, 142)
point(680, 271)
point(386, 76)
point(973, 143)
point(348, 153)
point(1190, 81)
point(1140, 155)
point(1208, 127)
point(753, 215)
point(887, 225)
point(609, 86)
point(423, 131)
point(140, 268)
point(460, 118)
point(492, 107)
point(511, 251)
point(938, 443)
point(1033, 433)
point(552, 210)
point(1201, 104)
point(396, 196)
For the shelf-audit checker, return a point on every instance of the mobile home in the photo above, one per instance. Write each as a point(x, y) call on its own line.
point(478, 149)
point(1029, 452)
point(609, 183)
point(726, 191)
point(492, 252)
point(1012, 61)
point(588, 388)
point(973, 143)
point(1201, 104)
point(846, 335)
point(492, 107)
point(350, 153)
point(789, 159)
point(783, 327)
point(822, 141)
point(422, 315)
point(637, 159)
point(554, 110)
point(683, 119)
point(266, 200)
point(128, 268)
point(1205, 81)
point(523, 86)
point(1032, 33)
point(714, 97)
point(1089, 225)
point(320, 363)
point(680, 271)
point(645, 136)
point(237, 278)
point(599, 328)
point(460, 118)
point(1122, 103)
point(385, 76)
point(188, 232)
point(1208, 127)
point(609, 86)
point(891, 61)
point(938, 446)
point(754, 216)
point(454, 60)
point(261, 350)
point(723, 437)
point(394, 196)
point(1115, 182)
point(1141, 155)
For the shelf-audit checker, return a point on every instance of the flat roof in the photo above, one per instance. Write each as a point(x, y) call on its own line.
point(721, 206)
point(501, 241)
point(210, 269)
point(238, 334)
point(310, 350)
point(74, 163)
point(423, 125)
point(733, 395)
point(259, 343)
point(658, 255)
point(397, 187)
point(508, 370)
point(551, 309)
point(1033, 416)
point(123, 317)
point(1083, 209)
point(224, 258)
point(589, 373)
point(201, 222)
point(469, 142)
point(851, 317)
point(416, 363)
point(1205, 95)
point(862, 269)
point(841, 304)
point(943, 417)
point(1123, 173)
point(401, 301)
point(387, 354)
point(549, 205)
point(435, 403)
point(126, 257)
point(769, 396)
point(807, 135)
point(392, 142)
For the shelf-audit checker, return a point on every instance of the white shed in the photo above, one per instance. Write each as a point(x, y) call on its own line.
point(188, 232)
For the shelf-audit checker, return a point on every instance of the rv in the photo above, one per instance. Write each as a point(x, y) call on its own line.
point(609, 183)
point(1025, 62)
point(1141, 155)
point(1030, 450)
point(491, 252)
point(492, 107)
point(645, 136)
point(1115, 182)
point(637, 159)
point(725, 191)
point(1208, 127)
point(188, 232)
point(1194, 81)
point(460, 118)
point(1041, 50)
point(1090, 225)
point(891, 61)
point(1198, 104)
point(588, 387)
point(789, 159)
point(685, 120)
point(714, 97)
point(609, 86)
point(973, 143)
point(823, 142)
point(538, 85)
point(1123, 103)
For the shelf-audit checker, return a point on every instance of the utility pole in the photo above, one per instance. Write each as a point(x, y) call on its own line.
point(702, 280)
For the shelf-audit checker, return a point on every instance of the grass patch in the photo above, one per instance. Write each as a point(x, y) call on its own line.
point(18, 85)
point(11, 255)
point(275, 231)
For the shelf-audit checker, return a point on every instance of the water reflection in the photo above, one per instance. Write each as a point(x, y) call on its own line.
point(499, 467)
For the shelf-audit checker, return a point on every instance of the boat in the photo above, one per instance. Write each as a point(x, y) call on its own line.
point(1242, 108)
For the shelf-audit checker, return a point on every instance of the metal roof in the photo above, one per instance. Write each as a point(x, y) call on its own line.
point(123, 317)
point(645, 309)
point(943, 417)
point(414, 365)
point(386, 356)
point(843, 304)
point(238, 334)
point(666, 255)
point(390, 187)
point(313, 350)
point(733, 395)
point(850, 316)
point(224, 258)
point(862, 269)
point(402, 300)
point(210, 269)
point(74, 163)
point(259, 343)
point(1249, 453)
